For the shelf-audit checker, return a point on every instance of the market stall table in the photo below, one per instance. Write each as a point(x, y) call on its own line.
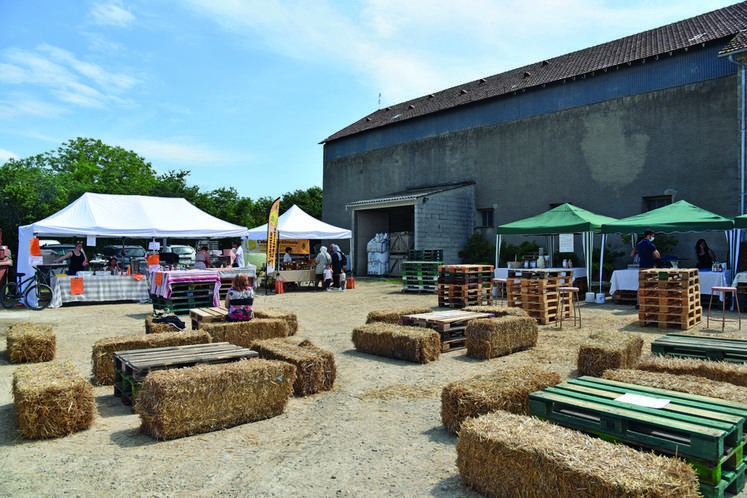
point(97, 288)
point(296, 275)
point(628, 280)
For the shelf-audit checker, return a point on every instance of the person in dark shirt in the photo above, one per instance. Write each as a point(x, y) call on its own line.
point(706, 256)
point(646, 250)
point(78, 260)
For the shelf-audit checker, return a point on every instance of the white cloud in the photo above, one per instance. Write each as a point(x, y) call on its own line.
point(176, 152)
point(21, 104)
point(111, 15)
point(6, 155)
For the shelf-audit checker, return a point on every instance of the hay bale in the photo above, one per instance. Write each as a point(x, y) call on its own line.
point(394, 316)
point(52, 400)
point(506, 389)
point(502, 454)
point(289, 317)
point(184, 401)
point(721, 371)
point(488, 338)
point(496, 310)
point(605, 351)
point(102, 355)
point(315, 367)
point(416, 344)
point(32, 343)
point(158, 328)
point(690, 384)
point(245, 333)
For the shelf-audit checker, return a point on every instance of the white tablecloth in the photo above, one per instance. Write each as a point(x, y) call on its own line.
point(577, 272)
point(99, 288)
point(628, 280)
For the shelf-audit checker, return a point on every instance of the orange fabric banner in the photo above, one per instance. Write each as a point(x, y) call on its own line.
point(34, 248)
point(159, 278)
point(272, 236)
point(76, 286)
point(154, 260)
point(138, 276)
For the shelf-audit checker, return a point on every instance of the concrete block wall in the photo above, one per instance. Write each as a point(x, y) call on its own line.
point(444, 221)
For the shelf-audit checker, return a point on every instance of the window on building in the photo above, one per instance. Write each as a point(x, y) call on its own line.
point(486, 217)
point(656, 201)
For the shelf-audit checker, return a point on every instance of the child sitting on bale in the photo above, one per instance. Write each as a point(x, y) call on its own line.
point(239, 300)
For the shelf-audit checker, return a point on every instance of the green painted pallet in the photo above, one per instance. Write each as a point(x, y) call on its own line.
point(732, 481)
point(707, 429)
point(701, 347)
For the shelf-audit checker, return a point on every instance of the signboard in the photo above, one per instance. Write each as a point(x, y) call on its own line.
point(565, 242)
point(298, 246)
point(272, 236)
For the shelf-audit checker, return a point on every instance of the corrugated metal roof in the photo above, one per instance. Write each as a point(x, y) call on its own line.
point(707, 27)
point(407, 196)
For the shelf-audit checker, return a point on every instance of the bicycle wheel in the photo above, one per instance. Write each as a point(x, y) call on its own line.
point(38, 296)
point(9, 295)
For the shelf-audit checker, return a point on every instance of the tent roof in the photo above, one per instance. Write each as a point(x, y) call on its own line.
point(565, 218)
point(136, 216)
point(295, 223)
point(680, 216)
point(740, 221)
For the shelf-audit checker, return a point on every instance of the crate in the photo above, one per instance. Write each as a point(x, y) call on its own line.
point(701, 347)
point(707, 432)
point(131, 367)
point(425, 254)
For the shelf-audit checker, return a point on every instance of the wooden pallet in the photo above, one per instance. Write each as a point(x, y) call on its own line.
point(131, 367)
point(706, 431)
point(421, 289)
point(448, 323)
point(453, 344)
point(465, 269)
point(668, 275)
point(622, 296)
point(426, 255)
point(682, 321)
point(701, 347)
point(207, 315)
point(453, 302)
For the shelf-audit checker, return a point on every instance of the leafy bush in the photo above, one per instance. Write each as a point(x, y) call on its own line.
point(479, 251)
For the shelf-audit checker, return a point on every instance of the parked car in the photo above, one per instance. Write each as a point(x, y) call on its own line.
point(186, 254)
point(50, 252)
point(130, 252)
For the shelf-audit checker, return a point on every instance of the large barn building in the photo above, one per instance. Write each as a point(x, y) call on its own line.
point(617, 129)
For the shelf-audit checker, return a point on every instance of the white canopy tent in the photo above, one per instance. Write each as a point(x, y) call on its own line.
point(295, 223)
point(134, 216)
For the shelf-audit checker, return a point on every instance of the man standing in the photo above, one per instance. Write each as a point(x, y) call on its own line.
point(238, 252)
point(647, 252)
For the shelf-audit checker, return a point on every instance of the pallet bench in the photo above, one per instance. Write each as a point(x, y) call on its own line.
point(131, 367)
point(449, 324)
point(701, 347)
point(207, 315)
point(707, 432)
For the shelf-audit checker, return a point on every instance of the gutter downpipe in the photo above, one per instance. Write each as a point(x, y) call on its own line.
point(743, 132)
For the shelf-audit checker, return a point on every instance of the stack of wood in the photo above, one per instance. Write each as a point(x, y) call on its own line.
point(465, 285)
point(537, 292)
point(669, 298)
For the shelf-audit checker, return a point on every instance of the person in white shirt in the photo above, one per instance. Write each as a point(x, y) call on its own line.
point(238, 252)
point(287, 258)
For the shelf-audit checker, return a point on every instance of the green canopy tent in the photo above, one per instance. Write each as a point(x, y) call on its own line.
point(565, 218)
point(680, 216)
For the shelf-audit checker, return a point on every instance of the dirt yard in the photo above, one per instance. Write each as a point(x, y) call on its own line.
point(378, 433)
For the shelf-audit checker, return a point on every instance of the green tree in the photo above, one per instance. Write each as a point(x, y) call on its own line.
point(479, 251)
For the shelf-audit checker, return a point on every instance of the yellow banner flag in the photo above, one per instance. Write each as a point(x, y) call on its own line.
point(272, 236)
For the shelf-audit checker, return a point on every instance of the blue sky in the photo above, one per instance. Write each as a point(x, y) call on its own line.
point(241, 92)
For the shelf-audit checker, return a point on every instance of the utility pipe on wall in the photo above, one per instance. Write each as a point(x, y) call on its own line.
point(743, 131)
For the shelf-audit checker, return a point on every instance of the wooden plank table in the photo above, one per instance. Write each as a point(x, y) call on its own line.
point(131, 367)
point(207, 315)
point(450, 324)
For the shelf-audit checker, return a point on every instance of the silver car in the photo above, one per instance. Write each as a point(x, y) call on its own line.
point(186, 254)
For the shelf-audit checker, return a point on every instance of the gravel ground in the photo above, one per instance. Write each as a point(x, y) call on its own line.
point(377, 433)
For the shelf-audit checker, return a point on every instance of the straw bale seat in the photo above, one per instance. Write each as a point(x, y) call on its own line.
point(315, 367)
point(102, 355)
point(488, 338)
point(181, 402)
point(30, 343)
point(690, 384)
point(605, 351)
point(52, 400)
point(503, 454)
point(245, 333)
point(497, 310)
point(415, 344)
point(505, 389)
point(290, 318)
point(721, 371)
point(394, 316)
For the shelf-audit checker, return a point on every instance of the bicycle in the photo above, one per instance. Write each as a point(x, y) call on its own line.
point(37, 296)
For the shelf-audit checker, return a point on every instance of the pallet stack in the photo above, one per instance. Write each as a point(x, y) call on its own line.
point(669, 298)
point(465, 285)
point(449, 324)
point(706, 432)
point(537, 292)
point(185, 296)
point(420, 270)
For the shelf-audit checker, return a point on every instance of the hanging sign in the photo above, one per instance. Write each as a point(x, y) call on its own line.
point(298, 246)
point(272, 236)
point(565, 242)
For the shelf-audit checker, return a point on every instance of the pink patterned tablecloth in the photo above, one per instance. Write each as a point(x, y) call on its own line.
point(169, 278)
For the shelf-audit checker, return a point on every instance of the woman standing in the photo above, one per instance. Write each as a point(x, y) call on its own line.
point(705, 255)
point(240, 299)
point(77, 257)
point(322, 260)
point(202, 259)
